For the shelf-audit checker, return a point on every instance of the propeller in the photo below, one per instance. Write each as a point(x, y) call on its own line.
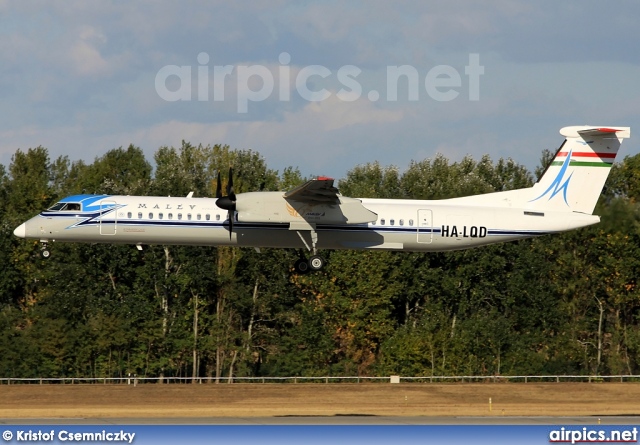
point(228, 202)
point(219, 187)
point(230, 193)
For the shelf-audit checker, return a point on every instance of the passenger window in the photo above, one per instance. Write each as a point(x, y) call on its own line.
point(382, 222)
point(179, 215)
point(139, 215)
point(189, 216)
point(401, 222)
point(150, 215)
point(217, 217)
point(160, 215)
point(411, 222)
point(170, 215)
point(392, 222)
point(129, 215)
point(208, 217)
point(199, 217)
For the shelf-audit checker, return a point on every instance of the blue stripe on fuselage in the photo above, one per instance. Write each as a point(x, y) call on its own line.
point(91, 219)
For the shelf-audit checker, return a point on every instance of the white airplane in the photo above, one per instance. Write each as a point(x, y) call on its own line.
point(315, 216)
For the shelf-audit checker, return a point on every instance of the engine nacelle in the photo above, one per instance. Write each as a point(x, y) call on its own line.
point(273, 207)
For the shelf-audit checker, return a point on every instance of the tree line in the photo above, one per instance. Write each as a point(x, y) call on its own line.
point(561, 304)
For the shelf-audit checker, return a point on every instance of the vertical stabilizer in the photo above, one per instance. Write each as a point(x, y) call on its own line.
point(575, 178)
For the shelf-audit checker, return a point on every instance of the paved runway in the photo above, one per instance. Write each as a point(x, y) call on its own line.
point(334, 420)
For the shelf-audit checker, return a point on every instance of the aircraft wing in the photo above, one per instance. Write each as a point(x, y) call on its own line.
point(316, 191)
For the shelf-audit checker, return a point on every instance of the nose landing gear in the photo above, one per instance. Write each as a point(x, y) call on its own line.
point(44, 252)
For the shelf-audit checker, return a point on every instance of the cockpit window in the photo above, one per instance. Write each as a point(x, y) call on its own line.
point(68, 206)
point(58, 206)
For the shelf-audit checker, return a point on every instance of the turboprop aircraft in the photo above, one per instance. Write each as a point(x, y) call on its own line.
point(316, 216)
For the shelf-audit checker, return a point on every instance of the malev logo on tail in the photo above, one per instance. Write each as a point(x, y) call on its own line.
point(557, 185)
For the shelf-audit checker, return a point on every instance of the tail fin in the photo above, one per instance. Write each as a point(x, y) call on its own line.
point(575, 178)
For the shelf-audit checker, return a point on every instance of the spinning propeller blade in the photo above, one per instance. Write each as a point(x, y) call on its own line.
point(219, 187)
point(227, 202)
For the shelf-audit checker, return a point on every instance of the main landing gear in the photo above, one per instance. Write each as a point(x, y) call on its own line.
point(315, 262)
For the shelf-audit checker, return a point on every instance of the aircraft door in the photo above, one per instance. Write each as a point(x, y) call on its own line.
point(108, 220)
point(425, 226)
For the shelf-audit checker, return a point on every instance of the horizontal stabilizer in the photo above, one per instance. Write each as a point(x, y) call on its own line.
point(586, 130)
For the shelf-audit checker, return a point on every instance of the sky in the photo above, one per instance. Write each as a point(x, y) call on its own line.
point(318, 85)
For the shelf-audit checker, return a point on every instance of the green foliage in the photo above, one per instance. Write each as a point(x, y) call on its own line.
point(564, 304)
point(371, 181)
point(119, 171)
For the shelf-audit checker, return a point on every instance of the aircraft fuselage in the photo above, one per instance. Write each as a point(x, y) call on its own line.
point(409, 225)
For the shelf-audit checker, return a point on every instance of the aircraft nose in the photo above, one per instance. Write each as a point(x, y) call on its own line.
point(21, 231)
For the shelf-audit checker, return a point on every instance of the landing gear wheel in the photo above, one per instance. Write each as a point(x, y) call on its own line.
point(316, 262)
point(45, 253)
point(302, 266)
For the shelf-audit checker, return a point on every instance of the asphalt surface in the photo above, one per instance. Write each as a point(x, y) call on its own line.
point(334, 420)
